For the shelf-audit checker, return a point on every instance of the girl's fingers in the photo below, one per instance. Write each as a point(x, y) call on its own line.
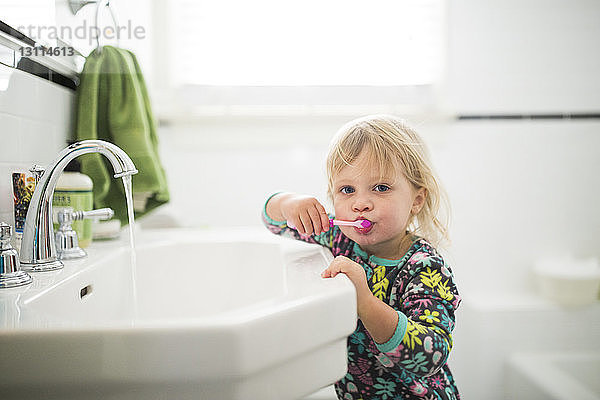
point(339, 264)
point(328, 273)
point(334, 268)
point(307, 227)
point(293, 223)
point(324, 217)
point(311, 218)
point(316, 220)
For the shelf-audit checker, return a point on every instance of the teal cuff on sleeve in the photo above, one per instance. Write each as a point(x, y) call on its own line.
point(269, 219)
point(397, 337)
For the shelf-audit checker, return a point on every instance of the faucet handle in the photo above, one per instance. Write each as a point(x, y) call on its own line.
point(99, 214)
point(10, 268)
point(67, 243)
point(66, 215)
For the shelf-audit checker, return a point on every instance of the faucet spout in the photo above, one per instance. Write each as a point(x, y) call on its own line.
point(38, 252)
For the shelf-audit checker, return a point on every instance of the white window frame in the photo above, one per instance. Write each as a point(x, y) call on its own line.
point(218, 100)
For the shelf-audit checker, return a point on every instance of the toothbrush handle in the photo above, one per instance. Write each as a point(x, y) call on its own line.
point(338, 222)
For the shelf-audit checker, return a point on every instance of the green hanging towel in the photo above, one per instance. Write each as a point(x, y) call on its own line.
point(113, 105)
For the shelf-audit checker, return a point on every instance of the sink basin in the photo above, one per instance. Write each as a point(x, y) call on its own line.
point(202, 314)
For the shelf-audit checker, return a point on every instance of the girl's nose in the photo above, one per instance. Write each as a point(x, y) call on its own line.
point(362, 204)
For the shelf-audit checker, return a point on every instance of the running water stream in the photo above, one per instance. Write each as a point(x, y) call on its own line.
point(129, 197)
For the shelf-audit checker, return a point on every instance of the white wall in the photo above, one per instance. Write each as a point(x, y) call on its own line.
point(35, 121)
point(529, 56)
point(221, 169)
point(520, 190)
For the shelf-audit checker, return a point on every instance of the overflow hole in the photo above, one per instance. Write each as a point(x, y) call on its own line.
point(85, 291)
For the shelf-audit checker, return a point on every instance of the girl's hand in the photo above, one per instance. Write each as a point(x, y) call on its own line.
point(305, 214)
point(356, 273)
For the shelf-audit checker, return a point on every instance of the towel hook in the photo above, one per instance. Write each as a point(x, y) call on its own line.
point(114, 19)
point(76, 5)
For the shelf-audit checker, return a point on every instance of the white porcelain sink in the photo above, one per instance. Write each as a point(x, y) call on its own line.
point(236, 314)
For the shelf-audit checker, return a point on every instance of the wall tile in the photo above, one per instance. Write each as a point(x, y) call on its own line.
point(17, 91)
point(10, 138)
point(53, 103)
point(28, 96)
point(41, 141)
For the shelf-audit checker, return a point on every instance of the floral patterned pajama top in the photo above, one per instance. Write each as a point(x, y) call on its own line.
point(420, 287)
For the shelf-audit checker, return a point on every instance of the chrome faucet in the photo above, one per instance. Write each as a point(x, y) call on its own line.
point(38, 252)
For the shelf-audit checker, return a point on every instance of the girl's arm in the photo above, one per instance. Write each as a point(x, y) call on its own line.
point(428, 303)
point(417, 339)
point(380, 319)
point(273, 206)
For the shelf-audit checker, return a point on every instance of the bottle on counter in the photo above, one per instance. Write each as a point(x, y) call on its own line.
point(74, 189)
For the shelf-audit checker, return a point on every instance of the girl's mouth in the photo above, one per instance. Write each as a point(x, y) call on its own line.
point(365, 230)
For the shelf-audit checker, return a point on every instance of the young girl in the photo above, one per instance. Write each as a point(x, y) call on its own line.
point(378, 171)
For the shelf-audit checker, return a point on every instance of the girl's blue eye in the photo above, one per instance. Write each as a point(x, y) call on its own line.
point(381, 188)
point(347, 190)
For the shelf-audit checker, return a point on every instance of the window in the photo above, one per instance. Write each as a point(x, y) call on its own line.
point(304, 52)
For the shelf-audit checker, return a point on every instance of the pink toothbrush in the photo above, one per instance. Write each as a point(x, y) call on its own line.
point(359, 223)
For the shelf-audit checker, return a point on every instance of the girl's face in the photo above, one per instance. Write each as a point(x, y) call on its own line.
point(360, 193)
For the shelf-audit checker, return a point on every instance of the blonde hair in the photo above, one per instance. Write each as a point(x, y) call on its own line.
point(393, 146)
